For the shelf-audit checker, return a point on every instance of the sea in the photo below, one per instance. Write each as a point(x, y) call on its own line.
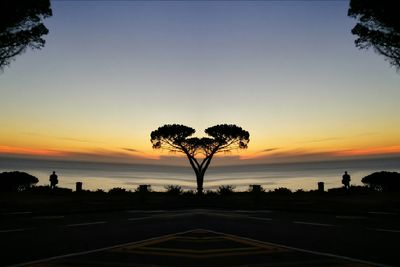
point(294, 176)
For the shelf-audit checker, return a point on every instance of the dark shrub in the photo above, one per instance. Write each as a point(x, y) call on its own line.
point(189, 193)
point(256, 188)
point(282, 191)
point(174, 189)
point(16, 181)
point(117, 191)
point(225, 189)
point(383, 181)
point(143, 188)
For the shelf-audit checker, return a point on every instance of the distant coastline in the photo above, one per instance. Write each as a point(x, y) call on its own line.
point(296, 175)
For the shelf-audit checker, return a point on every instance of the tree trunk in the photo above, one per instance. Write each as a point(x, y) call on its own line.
point(199, 180)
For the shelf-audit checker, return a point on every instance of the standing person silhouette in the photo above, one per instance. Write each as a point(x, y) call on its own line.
point(53, 180)
point(346, 180)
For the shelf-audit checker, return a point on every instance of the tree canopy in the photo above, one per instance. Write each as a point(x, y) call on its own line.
point(383, 181)
point(378, 26)
point(200, 151)
point(21, 26)
point(16, 181)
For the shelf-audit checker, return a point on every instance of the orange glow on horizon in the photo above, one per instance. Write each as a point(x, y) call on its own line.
point(370, 151)
point(111, 155)
point(29, 151)
point(301, 153)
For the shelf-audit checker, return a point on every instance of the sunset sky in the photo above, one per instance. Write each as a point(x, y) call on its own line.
point(113, 71)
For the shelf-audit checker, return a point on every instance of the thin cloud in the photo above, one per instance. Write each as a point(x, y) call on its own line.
point(322, 140)
point(131, 149)
point(62, 138)
point(269, 149)
point(78, 140)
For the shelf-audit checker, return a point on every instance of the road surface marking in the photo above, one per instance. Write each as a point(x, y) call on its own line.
point(313, 223)
point(15, 230)
point(139, 218)
point(17, 213)
point(253, 211)
point(382, 213)
point(384, 230)
point(48, 217)
point(259, 218)
point(351, 217)
point(84, 224)
point(224, 215)
point(98, 250)
point(170, 215)
point(145, 211)
point(304, 250)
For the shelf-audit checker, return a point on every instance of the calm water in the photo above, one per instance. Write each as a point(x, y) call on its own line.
point(293, 175)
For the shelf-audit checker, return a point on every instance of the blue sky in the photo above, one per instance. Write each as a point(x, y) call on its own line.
point(286, 71)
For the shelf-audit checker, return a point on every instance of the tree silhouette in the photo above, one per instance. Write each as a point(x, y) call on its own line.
point(383, 181)
point(200, 151)
point(21, 27)
point(16, 181)
point(378, 27)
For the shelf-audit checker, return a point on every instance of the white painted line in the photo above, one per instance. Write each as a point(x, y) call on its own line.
point(232, 215)
point(48, 217)
point(15, 230)
point(302, 250)
point(259, 218)
point(351, 217)
point(84, 224)
point(384, 230)
point(17, 213)
point(99, 249)
point(139, 218)
point(253, 211)
point(382, 213)
point(169, 215)
point(145, 211)
point(315, 224)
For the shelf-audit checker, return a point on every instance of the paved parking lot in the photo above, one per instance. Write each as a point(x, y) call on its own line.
point(198, 247)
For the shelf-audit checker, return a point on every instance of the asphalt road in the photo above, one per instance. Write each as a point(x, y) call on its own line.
point(370, 237)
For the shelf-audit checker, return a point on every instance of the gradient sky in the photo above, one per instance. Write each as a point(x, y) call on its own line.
point(113, 71)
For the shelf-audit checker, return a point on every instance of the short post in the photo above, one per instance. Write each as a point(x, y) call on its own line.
point(255, 188)
point(78, 186)
point(321, 187)
point(144, 188)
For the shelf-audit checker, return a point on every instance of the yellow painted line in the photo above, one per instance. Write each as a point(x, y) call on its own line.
point(256, 244)
point(197, 251)
point(142, 244)
point(356, 261)
point(196, 239)
point(199, 231)
point(257, 247)
point(198, 256)
point(44, 261)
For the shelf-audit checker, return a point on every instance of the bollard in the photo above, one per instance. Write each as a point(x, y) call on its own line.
point(255, 188)
point(78, 186)
point(144, 188)
point(321, 187)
